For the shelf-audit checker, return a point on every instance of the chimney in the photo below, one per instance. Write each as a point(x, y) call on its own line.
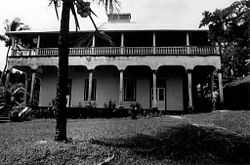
point(119, 17)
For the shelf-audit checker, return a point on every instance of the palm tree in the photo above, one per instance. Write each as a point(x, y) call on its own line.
point(84, 10)
point(14, 25)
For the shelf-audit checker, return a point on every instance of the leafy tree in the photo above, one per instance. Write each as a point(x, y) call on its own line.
point(14, 25)
point(230, 29)
point(83, 9)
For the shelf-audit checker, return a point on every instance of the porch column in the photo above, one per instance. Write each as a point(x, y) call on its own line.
point(190, 94)
point(220, 87)
point(154, 43)
point(26, 88)
point(154, 104)
point(122, 43)
point(121, 88)
point(33, 78)
point(212, 91)
point(90, 84)
point(7, 79)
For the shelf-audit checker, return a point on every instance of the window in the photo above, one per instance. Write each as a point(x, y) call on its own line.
point(129, 90)
point(86, 89)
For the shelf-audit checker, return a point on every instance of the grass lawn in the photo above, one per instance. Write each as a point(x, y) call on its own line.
point(140, 141)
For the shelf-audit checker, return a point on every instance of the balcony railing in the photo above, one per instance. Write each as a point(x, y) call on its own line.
point(117, 51)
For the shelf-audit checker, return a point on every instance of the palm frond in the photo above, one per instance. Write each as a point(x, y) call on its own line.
point(55, 3)
point(110, 5)
point(93, 22)
point(72, 8)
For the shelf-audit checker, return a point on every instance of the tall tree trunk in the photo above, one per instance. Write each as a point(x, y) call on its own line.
point(62, 75)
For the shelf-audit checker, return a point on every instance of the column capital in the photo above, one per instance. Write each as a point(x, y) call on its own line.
point(154, 71)
point(33, 70)
point(219, 71)
point(90, 70)
point(189, 70)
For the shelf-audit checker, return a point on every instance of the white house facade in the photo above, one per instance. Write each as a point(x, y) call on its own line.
point(155, 67)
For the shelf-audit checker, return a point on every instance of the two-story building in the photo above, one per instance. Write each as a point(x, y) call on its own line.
point(154, 66)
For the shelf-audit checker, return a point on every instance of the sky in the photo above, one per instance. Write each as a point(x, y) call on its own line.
point(39, 16)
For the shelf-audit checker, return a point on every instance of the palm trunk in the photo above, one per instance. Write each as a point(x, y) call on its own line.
point(5, 66)
point(62, 75)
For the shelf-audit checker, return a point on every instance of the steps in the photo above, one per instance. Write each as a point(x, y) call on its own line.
point(4, 112)
point(4, 115)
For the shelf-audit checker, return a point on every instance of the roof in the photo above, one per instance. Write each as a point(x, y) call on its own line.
point(121, 27)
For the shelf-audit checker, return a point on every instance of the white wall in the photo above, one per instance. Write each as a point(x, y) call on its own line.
point(143, 92)
point(47, 88)
point(107, 86)
point(174, 93)
point(77, 88)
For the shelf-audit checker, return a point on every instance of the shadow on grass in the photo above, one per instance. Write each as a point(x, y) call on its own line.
point(187, 143)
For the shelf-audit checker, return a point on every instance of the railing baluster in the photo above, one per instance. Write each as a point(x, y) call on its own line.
point(136, 51)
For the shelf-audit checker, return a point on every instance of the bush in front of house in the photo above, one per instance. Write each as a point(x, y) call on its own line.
point(135, 110)
point(20, 113)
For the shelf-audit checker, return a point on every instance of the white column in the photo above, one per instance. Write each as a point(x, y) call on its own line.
point(154, 43)
point(7, 79)
point(154, 104)
point(220, 87)
point(121, 88)
point(26, 88)
point(90, 85)
point(190, 94)
point(122, 43)
point(212, 90)
point(33, 78)
point(188, 43)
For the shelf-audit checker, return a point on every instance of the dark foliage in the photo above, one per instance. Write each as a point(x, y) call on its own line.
point(230, 29)
point(188, 143)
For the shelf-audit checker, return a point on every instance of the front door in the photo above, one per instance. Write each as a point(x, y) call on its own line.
point(160, 98)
